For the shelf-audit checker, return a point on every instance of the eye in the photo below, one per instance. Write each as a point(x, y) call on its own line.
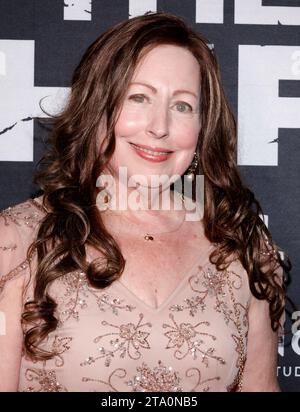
point(138, 98)
point(183, 107)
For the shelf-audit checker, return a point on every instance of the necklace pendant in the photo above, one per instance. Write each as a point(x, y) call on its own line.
point(149, 237)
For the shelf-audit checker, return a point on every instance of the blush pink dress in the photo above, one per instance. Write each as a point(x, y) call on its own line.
point(109, 340)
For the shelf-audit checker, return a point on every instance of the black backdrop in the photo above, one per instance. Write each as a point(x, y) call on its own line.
point(258, 47)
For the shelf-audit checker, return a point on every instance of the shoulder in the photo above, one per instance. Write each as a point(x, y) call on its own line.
point(22, 219)
point(18, 226)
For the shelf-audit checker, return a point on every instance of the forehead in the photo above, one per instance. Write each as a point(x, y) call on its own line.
point(169, 63)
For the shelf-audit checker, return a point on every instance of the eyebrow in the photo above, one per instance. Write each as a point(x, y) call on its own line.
point(154, 90)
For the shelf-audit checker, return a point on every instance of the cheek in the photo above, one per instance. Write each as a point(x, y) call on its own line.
point(129, 123)
point(186, 134)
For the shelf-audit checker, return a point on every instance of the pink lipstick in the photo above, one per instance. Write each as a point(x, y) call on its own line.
point(157, 154)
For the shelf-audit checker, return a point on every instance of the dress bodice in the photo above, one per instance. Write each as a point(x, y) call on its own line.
point(110, 340)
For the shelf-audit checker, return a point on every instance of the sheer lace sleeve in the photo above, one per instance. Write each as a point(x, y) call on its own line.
point(16, 229)
point(260, 367)
point(271, 261)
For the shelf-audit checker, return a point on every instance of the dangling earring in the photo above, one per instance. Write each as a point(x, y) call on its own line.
point(103, 199)
point(104, 196)
point(191, 170)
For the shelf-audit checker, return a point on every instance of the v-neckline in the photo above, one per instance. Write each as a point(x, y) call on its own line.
point(175, 291)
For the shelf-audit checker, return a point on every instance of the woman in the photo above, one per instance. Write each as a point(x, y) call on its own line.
point(122, 299)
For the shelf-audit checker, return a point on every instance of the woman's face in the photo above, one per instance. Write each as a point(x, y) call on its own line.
point(158, 126)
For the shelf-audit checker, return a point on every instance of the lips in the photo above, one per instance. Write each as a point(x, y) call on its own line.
point(156, 154)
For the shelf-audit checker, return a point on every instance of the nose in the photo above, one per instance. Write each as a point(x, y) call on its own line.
point(158, 122)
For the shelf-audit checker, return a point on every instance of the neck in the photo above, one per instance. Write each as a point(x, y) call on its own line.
point(156, 208)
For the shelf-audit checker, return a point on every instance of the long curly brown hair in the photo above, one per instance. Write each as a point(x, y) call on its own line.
point(68, 172)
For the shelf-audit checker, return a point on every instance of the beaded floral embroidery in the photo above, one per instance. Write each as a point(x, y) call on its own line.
point(129, 339)
point(219, 285)
point(78, 292)
point(158, 379)
point(45, 379)
point(9, 248)
point(188, 339)
point(59, 346)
